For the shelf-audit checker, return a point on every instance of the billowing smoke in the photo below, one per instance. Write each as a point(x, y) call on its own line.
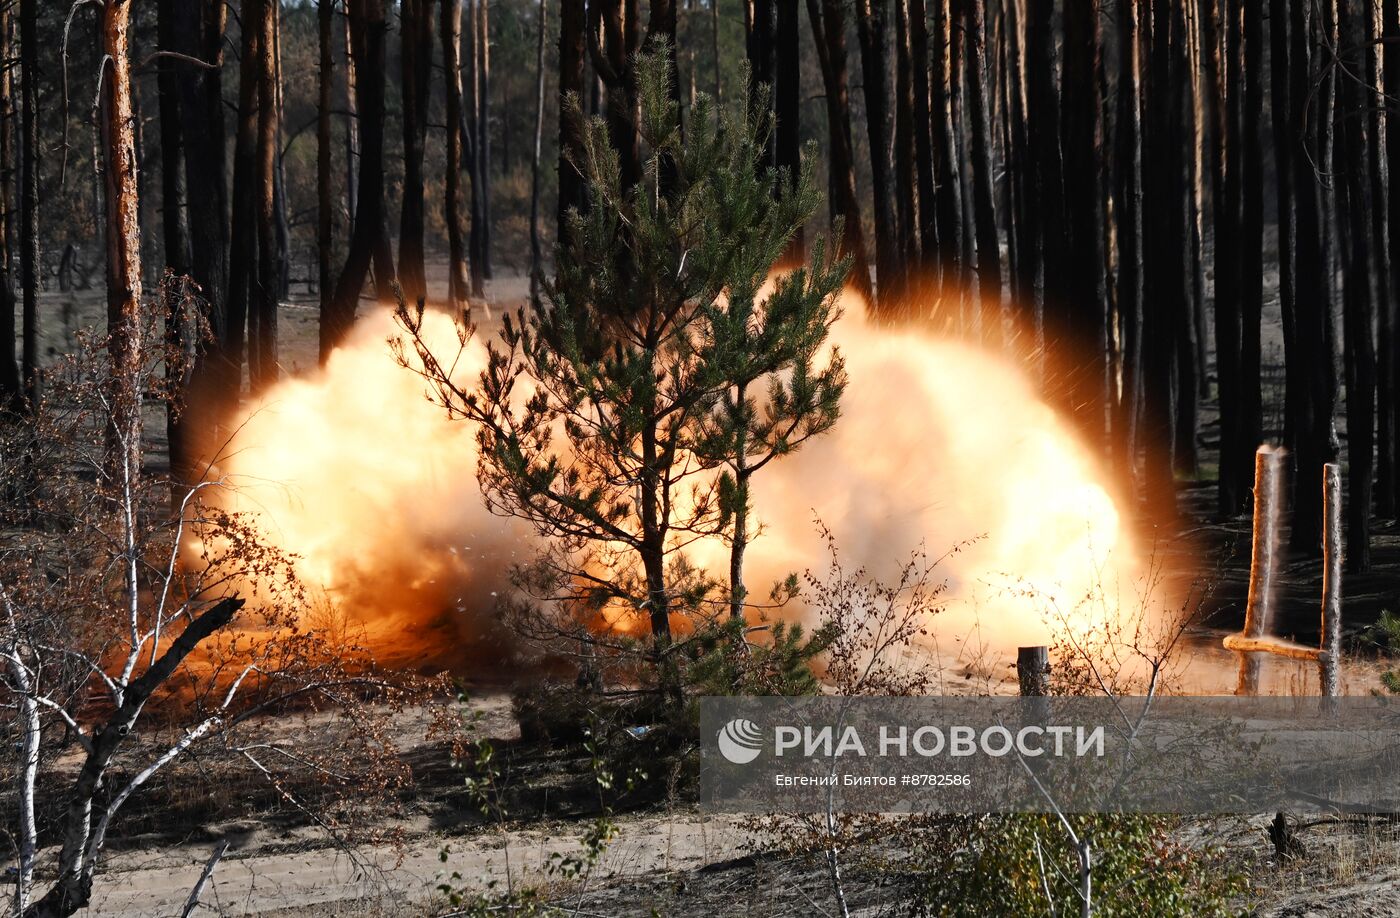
point(360, 475)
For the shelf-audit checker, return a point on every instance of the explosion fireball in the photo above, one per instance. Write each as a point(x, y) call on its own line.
point(366, 481)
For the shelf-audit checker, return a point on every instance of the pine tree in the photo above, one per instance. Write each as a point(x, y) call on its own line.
point(639, 428)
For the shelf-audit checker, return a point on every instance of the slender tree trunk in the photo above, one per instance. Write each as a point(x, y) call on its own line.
point(450, 27)
point(932, 249)
point(352, 124)
point(1048, 201)
point(29, 195)
point(906, 183)
point(536, 257)
point(176, 236)
point(1228, 256)
point(573, 26)
point(416, 56)
point(1389, 490)
point(123, 245)
point(11, 386)
point(1252, 235)
point(829, 31)
point(1129, 234)
point(483, 142)
point(263, 370)
point(369, 27)
point(1285, 143)
point(325, 217)
point(1183, 235)
point(988, 242)
point(243, 313)
point(870, 31)
point(1379, 207)
point(787, 103)
point(1352, 160)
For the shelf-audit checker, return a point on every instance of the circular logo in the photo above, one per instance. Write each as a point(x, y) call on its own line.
point(740, 741)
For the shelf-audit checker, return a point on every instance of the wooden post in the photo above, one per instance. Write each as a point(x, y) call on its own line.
point(1259, 609)
point(1330, 655)
point(1033, 669)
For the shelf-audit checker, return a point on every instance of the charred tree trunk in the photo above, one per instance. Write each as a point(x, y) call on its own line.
point(906, 183)
point(176, 235)
point(11, 386)
point(1185, 457)
point(29, 196)
point(870, 31)
point(243, 242)
point(573, 25)
point(1312, 88)
point(1280, 103)
point(325, 216)
point(416, 56)
point(932, 249)
point(829, 30)
point(787, 103)
point(1129, 235)
point(1047, 202)
point(1228, 254)
point(450, 27)
point(262, 348)
point(536, 255)
point(368, 29)
point(482, 229)
point(1352, 162)
point(1250, 431)
point(988, 264)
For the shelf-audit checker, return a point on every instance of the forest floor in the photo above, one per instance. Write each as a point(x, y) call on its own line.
point(670, 858)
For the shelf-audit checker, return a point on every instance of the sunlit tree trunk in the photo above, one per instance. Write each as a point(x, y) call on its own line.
point(123, 237)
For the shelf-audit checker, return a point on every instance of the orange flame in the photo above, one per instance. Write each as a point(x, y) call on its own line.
point(360, 475)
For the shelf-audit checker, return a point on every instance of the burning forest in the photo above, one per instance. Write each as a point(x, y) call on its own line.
point(595, 458)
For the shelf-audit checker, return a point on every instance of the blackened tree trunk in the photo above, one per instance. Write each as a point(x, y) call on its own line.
point(829, 30)
point(1352, 162)
point(262, 348)
point(11, 386)
point(368, 27)
point(573, 25)
point(1252, 239)
point(1284, 151)
point(1389, 490)
point(1379, 207)
point(787, 104)
point(1228, 254)
point(1128, 213)
point(536, 254)
point(870, 31)
point(1185, 458)
point(905, 183)
point(483, 139)
point(243, 237)
point(988, 264)
point(29, 195)
point(416, 57)
point(176, 236)
point(1047, 201)
point(450, 28)
point(325, 216)
point(932, 265)
point(1085, 323)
